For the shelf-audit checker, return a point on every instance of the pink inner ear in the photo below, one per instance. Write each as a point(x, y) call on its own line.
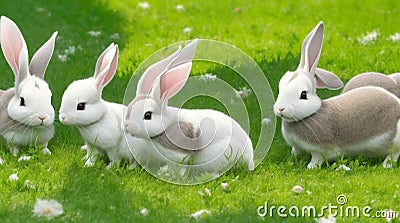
point(147, 85)
point(313, 54)
point(174, 80)
point(314, 48)
point(12, 45)
point(320, 83)
point(107, 68)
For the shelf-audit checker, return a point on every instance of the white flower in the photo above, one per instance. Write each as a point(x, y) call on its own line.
point(243, 92)
point(200, 214)
point(29, 184)
point(70, 50)
point(40, 9)
point(13, 177)
point(144, 5)
point(208, 77)
point(180, 8)
point(48, 208)
point(114, 36)
point(24, 158)
point(225, 186)
point(343, 167)
point(266, 121)
point(208, 192)
point(369, 38)
point(395, 37)
point(200, 193)
point(62, 57)
point(94, 33)
point(144, 212)
point(1, 161)
point(187, 30)
point(164, 168)
point(297, 189)
point(308, 192)
point(329, 219)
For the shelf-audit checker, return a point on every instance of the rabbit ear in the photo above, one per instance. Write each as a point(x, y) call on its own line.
point(303, 48)
point(14, 49)
point(149, 77)
point(173, 80)
point(327, 79)
point(106, 66)
point(311, 49)
point(42, 57)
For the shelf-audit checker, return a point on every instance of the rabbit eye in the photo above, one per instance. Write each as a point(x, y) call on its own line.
point(22, 101)
point(303, 95)
point(80, 106)
point(147, 115)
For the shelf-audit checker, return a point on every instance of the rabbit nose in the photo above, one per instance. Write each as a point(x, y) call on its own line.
point(42, 118)
point(281, 110)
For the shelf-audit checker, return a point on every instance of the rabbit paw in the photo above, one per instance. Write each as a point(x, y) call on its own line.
point(86, 157)
point(132, 165)
point(316, 161)
point(46, 151)
point(387, 163)
point(296, 152)
point(14, 150)
point(110, 165)
point(90, 162)
point(85, 147)
point(182, 171)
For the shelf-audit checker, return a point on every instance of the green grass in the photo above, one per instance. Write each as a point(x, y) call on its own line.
point(271, 32)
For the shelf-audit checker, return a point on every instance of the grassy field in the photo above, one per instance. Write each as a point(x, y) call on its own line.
point(271, 32)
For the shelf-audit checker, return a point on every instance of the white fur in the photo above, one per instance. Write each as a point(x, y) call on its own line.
point(99, 123)
point(220, 137)
point(33, 122)
point(221, 141)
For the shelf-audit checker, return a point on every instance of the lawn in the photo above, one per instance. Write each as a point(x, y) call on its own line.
point(270, 32)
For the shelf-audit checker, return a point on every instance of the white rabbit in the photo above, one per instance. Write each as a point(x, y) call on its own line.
point(205, 140)
point(388, 82)
point(363, 121)
point(98, 121)
point(26, 113)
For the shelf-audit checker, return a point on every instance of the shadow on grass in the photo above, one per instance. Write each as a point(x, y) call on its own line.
point(73, 20)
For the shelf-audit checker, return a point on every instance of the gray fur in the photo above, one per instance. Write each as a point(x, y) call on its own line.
point(7, 123)
point(374, 79)
point(396, 77)
point(329, 79)
point(348, 120)
point(180, 136)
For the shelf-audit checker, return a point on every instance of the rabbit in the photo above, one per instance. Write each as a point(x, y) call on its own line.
point(98, 121)
point(388, 82)
point(363, 121)
point(26, 113)
point(205, 140)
